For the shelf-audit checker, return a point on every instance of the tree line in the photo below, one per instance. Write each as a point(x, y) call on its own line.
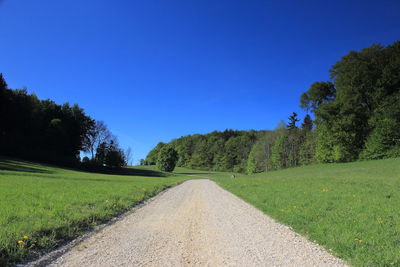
point(42, 130)
point(356, 116)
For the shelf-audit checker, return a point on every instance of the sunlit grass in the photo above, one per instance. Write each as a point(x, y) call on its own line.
point(41, 205)
point(352, 208)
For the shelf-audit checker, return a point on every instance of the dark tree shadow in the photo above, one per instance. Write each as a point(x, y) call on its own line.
point(141, 172)
point(133, 172)
point(10, 165)
point(18, 165)
point(194, 173)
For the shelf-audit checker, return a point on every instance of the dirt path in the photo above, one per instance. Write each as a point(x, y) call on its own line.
point(197, 224)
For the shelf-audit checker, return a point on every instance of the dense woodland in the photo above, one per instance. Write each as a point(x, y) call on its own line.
point(356, 116)
point(44, 131)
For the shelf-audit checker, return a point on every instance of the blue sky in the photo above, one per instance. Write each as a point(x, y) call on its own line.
point(158, 70)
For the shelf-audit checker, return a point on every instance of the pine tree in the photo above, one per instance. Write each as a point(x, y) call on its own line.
point(292, 121)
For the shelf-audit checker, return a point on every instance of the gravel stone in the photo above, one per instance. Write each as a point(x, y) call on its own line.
point(197, 224)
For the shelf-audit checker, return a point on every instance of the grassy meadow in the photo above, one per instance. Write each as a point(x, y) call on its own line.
point(41, 206)
point(351, 208)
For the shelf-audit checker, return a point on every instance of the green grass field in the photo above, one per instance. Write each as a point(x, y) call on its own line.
point(352, 208)
point(41, 206)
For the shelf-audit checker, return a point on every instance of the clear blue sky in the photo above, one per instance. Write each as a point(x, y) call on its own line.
point(157, 70)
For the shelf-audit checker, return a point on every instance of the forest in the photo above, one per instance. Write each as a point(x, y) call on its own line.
point(355, 115)
point(44, 131)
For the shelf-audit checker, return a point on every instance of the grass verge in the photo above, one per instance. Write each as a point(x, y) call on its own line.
point(352, 208)
point(43, 206)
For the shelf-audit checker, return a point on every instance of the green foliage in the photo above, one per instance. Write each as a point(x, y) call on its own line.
point(356, 111)
point(167, 158)
point(278, 155)
point(260, 156)
point(226, 150)
point(383, 139)
point(152, 157)
point(251, 162)
point(324, 145)
point(357, 115)
point(307, 149)
point(51, 205)
point(285, 150)
point(307, 124)
point(241, 151)
point(351, 208)
point(319, 93)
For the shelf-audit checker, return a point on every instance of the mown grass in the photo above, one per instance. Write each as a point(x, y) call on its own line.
point(352, 209)
point(42, 206)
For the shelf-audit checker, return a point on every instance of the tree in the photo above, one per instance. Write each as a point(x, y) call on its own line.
point(307, 149)
point(128, 156)
point(167, 158)
point(319, 93)
point(292, 121)
point(101, 153)
point(3, 84)
point(152, 157)
point(364, 91)
point(115, 158)
point(278, 153)
point(97, 134)
point(307, 124)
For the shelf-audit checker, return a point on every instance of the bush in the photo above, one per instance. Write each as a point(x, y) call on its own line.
point(167, 158)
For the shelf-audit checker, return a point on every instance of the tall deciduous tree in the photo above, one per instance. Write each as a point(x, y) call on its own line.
point(97, 134)
point(350, 110)
point(128, 156)
point(319, 93)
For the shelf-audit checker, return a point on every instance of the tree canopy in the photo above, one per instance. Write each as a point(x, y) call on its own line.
point(357, 116)
point(45, 131)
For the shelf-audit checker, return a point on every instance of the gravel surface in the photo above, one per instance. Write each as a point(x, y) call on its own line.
point(197, 224)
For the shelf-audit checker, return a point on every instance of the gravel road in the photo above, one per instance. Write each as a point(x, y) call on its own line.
point(197, 224)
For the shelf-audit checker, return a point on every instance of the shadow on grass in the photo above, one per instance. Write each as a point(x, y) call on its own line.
point(129, 172)
point(10, 165)
point(26, 166)
point(193, 173)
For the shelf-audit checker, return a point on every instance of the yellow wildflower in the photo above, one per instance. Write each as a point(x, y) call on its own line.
point(26, 237)
point(325, 190)
point(20, 241)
